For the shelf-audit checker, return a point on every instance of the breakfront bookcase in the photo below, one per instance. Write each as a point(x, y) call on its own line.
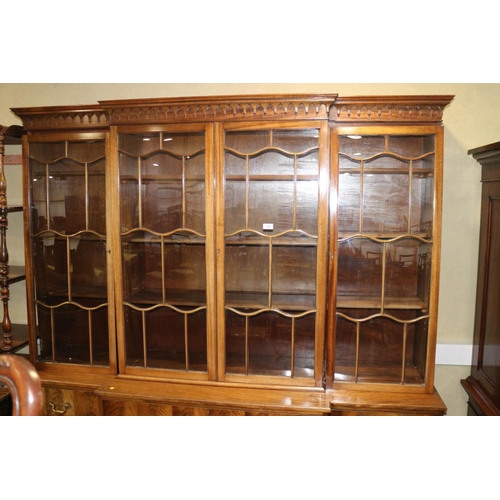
point(235, 255)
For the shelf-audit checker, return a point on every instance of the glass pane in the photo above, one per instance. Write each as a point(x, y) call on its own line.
point(72, 334)
point(38, 185)
point(296, 141)
point(247, 142)
point(139, 144)
point(380, 349)
point(270, 202)
point(166, 339)
point(422, 203)
point(87, 152)
point(359, 272)
point(47, 152)
point(293, 274)
point(161, 163)
point(176, 276)
point(385, 203)
point(162, 205)
point(50, 261)
point(247, 273)
point(270, 162)
point(88, 264)
point(408, 266)
point(66, 197)
point(235, 206)
point(349, 199)
point(411, 146)
point(270, 344)
point(307, 207)
point(97, 197)
point(361, 147)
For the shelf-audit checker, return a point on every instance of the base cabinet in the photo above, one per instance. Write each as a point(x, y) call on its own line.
point(127, 408)
point(70, 402)
point(133, 398)
point(235, 255)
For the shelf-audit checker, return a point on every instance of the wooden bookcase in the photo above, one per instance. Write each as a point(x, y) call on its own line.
point(235, 254)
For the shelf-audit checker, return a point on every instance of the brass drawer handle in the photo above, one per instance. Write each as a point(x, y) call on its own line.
point(65, 408)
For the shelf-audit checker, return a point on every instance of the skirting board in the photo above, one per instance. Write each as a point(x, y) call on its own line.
point(453, 354)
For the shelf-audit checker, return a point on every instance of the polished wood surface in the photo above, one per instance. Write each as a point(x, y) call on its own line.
point(69, 402)
point(359, 403)
point(483, 384)
point(206, 255)
point(23, 383)
point(119, 397)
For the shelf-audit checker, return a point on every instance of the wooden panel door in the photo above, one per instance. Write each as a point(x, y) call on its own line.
point(483, 385)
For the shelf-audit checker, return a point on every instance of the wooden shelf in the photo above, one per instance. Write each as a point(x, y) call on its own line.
point(162, 178)
point(272, 177)
point(372, 373)
point(97, 292)
point(236, 300)
point(19, 337)
point(424, 172)
point(344, 235)
point(281, 301)
point(369, 302)
point(257, 240)
point(13, 209)
point(180, 239)
point(16, 273)
point(179, 298)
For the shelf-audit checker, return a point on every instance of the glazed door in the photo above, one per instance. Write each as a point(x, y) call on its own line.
point(165, 239)
point(70, 312)
point(271, 252)
point(387, 226)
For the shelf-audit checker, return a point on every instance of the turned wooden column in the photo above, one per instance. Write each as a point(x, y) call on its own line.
point(4, 254)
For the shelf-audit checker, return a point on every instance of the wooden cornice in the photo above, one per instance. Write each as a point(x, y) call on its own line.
point(63, 117)
point(339, 110)
point(219, 108)
point(394, 109)
point(486, 154)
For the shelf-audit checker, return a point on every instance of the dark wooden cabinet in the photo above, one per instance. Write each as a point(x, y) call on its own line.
point(238, 254)
point(483, 384)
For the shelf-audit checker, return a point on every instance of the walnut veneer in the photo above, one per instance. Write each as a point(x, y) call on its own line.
point(236, 255)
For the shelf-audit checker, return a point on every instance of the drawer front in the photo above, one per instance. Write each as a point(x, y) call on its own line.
point(70, 402)
point(134, 408)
